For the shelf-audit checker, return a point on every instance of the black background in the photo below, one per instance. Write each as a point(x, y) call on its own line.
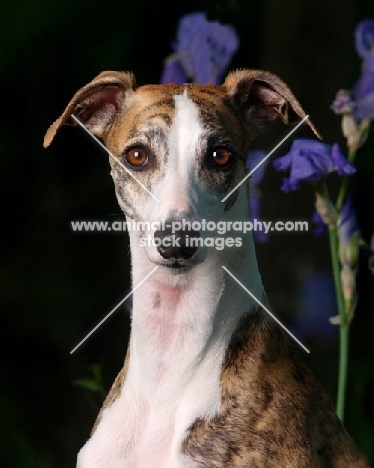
point(56, 284)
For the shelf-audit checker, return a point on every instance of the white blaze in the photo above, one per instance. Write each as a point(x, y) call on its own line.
point(176, 192)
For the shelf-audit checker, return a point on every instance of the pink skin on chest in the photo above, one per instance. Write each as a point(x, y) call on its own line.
point(164, 324)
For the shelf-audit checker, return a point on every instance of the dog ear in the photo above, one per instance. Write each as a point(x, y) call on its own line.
point(96, 104)
point(262, 98)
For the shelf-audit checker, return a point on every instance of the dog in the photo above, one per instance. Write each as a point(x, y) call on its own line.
point(209, 379)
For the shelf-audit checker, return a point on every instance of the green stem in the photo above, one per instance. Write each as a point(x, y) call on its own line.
point(336, 272)
point(343, 370)
point(342, 193)
point(343, 313)
point(343, 349)
point(352, 155)
point(345, 183)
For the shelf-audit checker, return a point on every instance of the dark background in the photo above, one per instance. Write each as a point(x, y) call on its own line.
point(56, 284)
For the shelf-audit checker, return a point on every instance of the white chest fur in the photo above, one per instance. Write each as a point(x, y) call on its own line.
point(169, 386)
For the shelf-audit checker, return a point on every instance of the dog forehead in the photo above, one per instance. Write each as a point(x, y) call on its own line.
point(198, 93)
point(210, 100)
point(157, 105)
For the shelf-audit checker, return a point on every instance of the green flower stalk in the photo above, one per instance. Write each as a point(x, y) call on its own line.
point(349, 239)
point(312, 161)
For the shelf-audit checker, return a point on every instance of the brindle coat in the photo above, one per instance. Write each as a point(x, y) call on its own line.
point(274, 412)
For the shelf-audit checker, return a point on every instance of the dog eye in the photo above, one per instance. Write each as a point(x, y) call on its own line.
point(221, 156)
point(137, 156)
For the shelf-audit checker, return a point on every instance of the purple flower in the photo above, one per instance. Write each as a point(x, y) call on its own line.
point(363, 90)
point(255, 157)
point(343, 103)
point(348, 223)
point(317, 305)
point(364, 36)
point(173, 71)
point(361, 101)
point(311, 160)
point(365, 107)
point(203, 48)
point(365, 84)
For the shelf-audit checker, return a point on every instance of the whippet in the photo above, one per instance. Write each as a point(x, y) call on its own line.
point(209, 379)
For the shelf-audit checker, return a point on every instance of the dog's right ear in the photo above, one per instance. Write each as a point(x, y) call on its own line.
point(96, 104)
point(262, 98)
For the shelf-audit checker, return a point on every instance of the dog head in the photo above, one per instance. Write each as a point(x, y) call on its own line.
point(184, 144)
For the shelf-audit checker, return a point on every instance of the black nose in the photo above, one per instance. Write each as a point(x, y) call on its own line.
point(180, 245)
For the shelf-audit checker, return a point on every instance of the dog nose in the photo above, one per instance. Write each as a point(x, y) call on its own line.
point(179, 245)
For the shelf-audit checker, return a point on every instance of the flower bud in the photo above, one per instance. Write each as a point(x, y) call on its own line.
point(350, 131)
point(343, 102)
point(349, 236)
point(348, 281)
point(326, 209)
point(348, 252)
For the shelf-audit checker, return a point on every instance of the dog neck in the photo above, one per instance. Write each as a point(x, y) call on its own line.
point(179, 318)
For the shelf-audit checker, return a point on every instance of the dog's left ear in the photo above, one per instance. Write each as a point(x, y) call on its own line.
point(262, 98)
point(96, 104)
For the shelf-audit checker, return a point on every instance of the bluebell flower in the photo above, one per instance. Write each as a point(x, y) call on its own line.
point(343, 102)
point(311, 160)
point(360, 102)
point(348, 224)
point(363, 90)
point(365, 85)
point(173, 71)
point(254, 157)
point(364, 36)
point(317, 305)
point(203, 50)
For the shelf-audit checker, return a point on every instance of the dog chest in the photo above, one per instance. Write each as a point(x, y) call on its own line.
point(147, 423)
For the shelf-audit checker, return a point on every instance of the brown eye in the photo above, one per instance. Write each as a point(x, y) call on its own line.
point(137, 156)
point(221, 156)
